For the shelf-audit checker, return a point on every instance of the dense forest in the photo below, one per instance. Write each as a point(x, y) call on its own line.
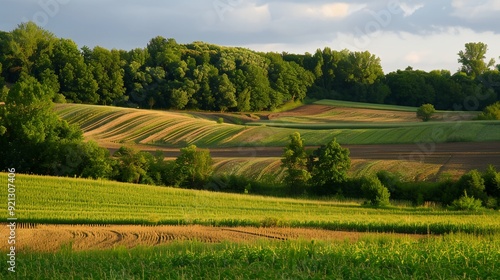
point(201, 76)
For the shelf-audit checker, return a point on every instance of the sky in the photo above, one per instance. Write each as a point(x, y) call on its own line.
point(425, 34)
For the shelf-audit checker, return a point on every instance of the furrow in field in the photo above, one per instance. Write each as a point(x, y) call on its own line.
point(116, 125)
point(51, 238)
point(162, 132)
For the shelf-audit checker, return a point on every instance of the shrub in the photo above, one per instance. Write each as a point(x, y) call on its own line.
point(390, 180)
point(220, 120)
point(376, 193)
point(491, 112)
point(473, 183)
point(492, 181)
point(425, 112)
point(468, 203)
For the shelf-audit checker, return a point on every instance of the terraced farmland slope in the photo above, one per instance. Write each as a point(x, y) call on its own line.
point(243, 140)
point(112, 125)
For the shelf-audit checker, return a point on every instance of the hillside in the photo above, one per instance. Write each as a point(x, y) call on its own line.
point(349, 125)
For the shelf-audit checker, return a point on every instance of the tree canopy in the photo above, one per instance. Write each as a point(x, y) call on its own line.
point(201, 76)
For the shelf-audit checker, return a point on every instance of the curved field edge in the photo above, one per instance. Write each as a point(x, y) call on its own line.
point(172, 129)
point(54, 200)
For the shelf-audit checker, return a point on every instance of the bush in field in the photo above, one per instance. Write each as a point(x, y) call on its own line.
point(390, 180)
point(492, 182)
point(376, 193)
point(473, 184)
point(491, 112)
point(425, 112)
point(468, 203)
point(329, 165)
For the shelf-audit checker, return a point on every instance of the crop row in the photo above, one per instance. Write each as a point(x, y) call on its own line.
point(450, 257)
point(177, 129)
point(68, 200)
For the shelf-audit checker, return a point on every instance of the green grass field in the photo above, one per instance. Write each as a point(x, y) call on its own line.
point(81, 201)
point(448, 257)
point(468, 247)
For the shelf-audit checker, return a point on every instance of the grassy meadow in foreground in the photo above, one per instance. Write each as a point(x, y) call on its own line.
point(448, 257)
point(75, 201)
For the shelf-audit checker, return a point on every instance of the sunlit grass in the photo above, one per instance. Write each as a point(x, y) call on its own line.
point(68, 200)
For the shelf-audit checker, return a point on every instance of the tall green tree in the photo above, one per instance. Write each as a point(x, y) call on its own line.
point(76, 81)
point(225, 93)
point(107, 68)
point(362, 67)
point(29, 50)
point(193, 167)
point(329, 166)
point(295, 161)
point(473, 59)
point(132, 166)
point(32, 133)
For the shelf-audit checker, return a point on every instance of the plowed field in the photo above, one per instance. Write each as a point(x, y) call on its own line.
point(51, 238)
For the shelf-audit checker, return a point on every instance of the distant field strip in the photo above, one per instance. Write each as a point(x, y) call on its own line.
point(55, 200)
point(253, 168)
point(360, 105)
point(173, 129)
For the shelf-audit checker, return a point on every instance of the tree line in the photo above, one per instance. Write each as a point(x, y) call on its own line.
point(201, 76)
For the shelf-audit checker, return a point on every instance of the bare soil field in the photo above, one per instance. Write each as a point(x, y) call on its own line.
point(51, 238)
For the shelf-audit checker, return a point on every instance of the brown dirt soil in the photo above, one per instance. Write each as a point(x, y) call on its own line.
point(51, 238)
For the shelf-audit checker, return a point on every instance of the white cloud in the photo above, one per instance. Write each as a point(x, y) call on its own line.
point(245, 18)
point(409, 10)
point(336, 10)
point(294, 11)
point(415, 57)
point(434, 51)
point(476, 10)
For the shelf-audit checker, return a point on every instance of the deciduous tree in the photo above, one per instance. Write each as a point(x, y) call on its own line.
point(193, 167)
point(330, 165)
point(473, 59)
point(295, 161)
